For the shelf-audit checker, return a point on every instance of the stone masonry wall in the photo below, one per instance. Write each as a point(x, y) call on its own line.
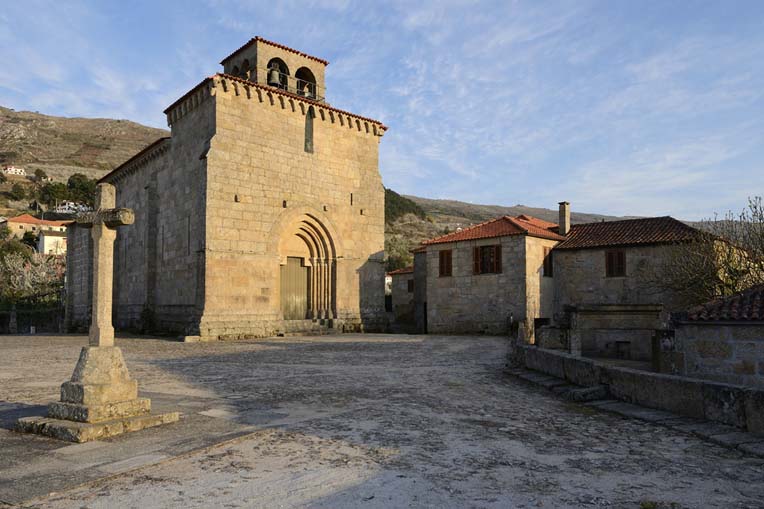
point(580, 279)
point(79, 274)
point(539, 289)
point(725, 353)
point(420, 292)
point(469, 303)
point(403, 300)
point(261, 181)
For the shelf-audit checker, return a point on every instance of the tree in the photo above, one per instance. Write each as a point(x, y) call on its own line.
point(30, 239)
point(81, 189)
point(17, 192)
point(53, 192)
point(726, 257)
point(24, 276)
point(40, 175)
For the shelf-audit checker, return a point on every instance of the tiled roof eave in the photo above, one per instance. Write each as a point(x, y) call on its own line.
point(563, 247)
point(274, 44)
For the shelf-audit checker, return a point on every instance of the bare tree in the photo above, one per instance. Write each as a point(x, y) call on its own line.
point(23, 276)
point(726, 256)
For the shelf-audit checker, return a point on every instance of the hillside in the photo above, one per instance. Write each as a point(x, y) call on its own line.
point(64, 146)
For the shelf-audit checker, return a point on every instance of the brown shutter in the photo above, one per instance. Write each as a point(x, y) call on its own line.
point(497, 258)
point(476, 260)
point(621, 263)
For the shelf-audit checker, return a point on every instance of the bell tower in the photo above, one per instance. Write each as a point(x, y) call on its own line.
point(275, 65)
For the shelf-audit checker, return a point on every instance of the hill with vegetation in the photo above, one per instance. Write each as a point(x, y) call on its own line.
point(76, 151)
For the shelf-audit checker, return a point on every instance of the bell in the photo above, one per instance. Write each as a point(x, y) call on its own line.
point(274, 77)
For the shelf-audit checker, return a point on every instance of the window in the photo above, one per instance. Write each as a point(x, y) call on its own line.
point(309, 130)
point(548, 266)
point(615, 264)
point(444, 266)
point(486, 260)
point(410, 285)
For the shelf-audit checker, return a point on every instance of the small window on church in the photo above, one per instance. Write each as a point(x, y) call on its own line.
point(309, 130)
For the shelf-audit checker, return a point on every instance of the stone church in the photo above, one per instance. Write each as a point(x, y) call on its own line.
point(262, 213)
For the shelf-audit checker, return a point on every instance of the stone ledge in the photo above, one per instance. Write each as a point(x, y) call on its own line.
point(84, 432)
point(99, 413)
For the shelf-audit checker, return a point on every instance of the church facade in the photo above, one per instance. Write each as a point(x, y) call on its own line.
point(262, 213)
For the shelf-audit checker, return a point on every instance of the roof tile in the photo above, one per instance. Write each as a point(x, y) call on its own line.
point(744, 306)
point(629, 232)
point(501, 227)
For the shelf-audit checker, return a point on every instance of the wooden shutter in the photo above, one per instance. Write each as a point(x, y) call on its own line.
point(476, 260)
point(497, 259)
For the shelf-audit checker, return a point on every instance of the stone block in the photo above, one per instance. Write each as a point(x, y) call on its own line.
point(754, 411)
point(73, 431)
point(582, 371)
point(676, 394)
point(98, 413)
point(545, 361)
point(724, 403)
point(98, 394)
point(713, 349)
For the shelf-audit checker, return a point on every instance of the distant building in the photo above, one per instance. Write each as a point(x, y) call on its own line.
point(13, 170)
point(52, 243)
point(70, 207)
point(19, 225)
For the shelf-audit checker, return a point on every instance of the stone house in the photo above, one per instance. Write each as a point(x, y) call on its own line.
point(402, 290)
point(16, 171)
point(722, 340)
point(606, 297)
point(19, 225)
point(483, 278)
point(263, 212)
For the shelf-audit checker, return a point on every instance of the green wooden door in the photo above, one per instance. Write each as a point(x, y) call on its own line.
point(294, 289)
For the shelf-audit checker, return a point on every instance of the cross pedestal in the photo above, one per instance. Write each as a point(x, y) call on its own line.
point(100, 400)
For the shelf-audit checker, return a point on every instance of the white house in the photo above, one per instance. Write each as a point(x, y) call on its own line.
point(51, 242)
point(12, 170)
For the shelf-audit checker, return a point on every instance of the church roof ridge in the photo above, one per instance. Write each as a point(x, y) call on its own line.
point(274, 44)
point(134, 158)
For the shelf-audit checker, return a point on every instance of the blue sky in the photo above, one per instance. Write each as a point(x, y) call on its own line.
point(623, 107)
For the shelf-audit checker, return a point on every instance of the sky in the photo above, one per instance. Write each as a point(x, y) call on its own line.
point(622, 107)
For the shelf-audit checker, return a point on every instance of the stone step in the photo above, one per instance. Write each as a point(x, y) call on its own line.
point(74, 431)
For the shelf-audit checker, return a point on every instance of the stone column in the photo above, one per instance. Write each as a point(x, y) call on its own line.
point(101, 328)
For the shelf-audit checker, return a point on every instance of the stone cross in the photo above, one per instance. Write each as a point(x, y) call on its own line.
point(103, 222)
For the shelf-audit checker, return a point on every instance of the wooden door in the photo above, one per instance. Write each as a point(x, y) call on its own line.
point(294, 289)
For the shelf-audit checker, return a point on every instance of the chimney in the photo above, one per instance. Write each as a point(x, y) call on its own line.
point(564, 222)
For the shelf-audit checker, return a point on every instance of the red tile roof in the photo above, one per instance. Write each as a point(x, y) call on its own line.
point(404, 270)
point(745, 306)
point(501, 227)
point(28, 219)
point(277, 45)
point(629, 232)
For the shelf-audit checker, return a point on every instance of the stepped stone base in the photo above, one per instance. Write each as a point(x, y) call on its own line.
point(74, 431)
point(100, 401)
point(97, 413)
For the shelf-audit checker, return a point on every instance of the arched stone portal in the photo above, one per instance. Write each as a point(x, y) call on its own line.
point(308, 270)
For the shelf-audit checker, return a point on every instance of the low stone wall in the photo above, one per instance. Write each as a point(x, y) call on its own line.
point(731, 353)
point(735, 405)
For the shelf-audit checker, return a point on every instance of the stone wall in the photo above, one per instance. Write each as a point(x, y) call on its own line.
point(262, 186)
point(732, 353)
point(420, 292)
point(580, 279)
point(469, 303)
point(725, 403)
point(539, 289)
point(403, 299)
point(79, 278)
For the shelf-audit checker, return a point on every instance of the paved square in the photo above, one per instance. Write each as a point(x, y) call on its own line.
point(350, 421)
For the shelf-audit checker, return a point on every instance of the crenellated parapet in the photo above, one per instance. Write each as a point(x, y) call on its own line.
point(247, 90)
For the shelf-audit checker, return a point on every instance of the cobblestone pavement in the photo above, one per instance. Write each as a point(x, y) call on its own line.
point(382, 421)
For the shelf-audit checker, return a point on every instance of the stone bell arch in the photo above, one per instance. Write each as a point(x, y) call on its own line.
point(307, 256)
